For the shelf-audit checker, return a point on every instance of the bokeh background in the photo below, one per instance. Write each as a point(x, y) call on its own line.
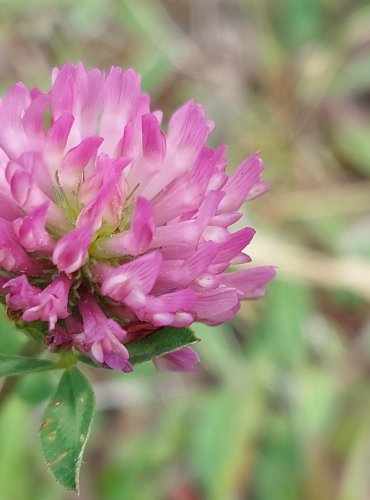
point(280, 408)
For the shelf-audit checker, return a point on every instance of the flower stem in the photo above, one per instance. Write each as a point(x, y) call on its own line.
point(66, 360)
point(31, 348)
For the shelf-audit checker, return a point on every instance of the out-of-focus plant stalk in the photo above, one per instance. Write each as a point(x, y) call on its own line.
point(30, 348)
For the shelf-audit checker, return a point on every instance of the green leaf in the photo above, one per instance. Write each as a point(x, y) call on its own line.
point(66, 426)
point(18, 365)
point(161, 342)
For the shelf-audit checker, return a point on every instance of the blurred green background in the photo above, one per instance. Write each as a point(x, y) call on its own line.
point(280, 408)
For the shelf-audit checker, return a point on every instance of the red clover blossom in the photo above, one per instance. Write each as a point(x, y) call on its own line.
point(111, 229)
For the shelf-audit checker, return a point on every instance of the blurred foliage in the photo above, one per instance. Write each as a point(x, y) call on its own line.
point(280, 408)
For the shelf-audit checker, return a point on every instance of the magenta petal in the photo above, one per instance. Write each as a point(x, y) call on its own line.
point(13, 258)
point(75, 160)
point(57, 136)
point(102, 337)
point(258, 189)
point(89, 98)
point(240, 184)
point(103, 194)
point(138, 238)
point(183, 360)
point(31, 231)
point(79, 156)
point(58, 339)
point(122, 99)
point(13, 139)
point(188, 232)
point(250, 283)
point(234, 245)
point(97, 352)
point(51, 303)
point(216, 303)
point(136, 276)
point(20, 294)
point(70, 252)
point(62, 94)
point(185, 272)
point(33, 119)
point(9, 209)
point(181, 300)
point(94, 320)
point(154, 142)
point(118, 361)
point(188, 128)
point(140, 234)
point(175, 200)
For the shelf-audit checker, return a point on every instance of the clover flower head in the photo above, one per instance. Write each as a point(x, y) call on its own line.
point(111, 229)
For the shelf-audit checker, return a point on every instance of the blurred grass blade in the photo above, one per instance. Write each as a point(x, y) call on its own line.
point(66, 426)
point(18, 365)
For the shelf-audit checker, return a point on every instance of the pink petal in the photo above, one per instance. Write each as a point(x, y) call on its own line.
point(188, 130)
point(107, 201)
point(57, 136)
point(75, 160)
point(20, 294)
point(239, 185)
point(70, 252)
point(218, 303)
point(62, 94)
point(188, 232)
point(257, 190)
point(148, 162)
point(140, 235)
point(226, 220)
point(89, 99)
point(234, 245)
point(97, 352)
point(241, 258)
point(182, 300)
point(33, 120)
point(191, 268)
point(126, 145)
point(102, 337)
point(8, 208)
point(250, 283)
point(186, 192)
point(137, 275)
point(183, 360)
point(121, 98)
point(13, 139)
point(12, 256)
point(51, 304)
point(138, 238)
point(207, 281)
point(154, 142)
point(31, 231)
point(58, 339)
